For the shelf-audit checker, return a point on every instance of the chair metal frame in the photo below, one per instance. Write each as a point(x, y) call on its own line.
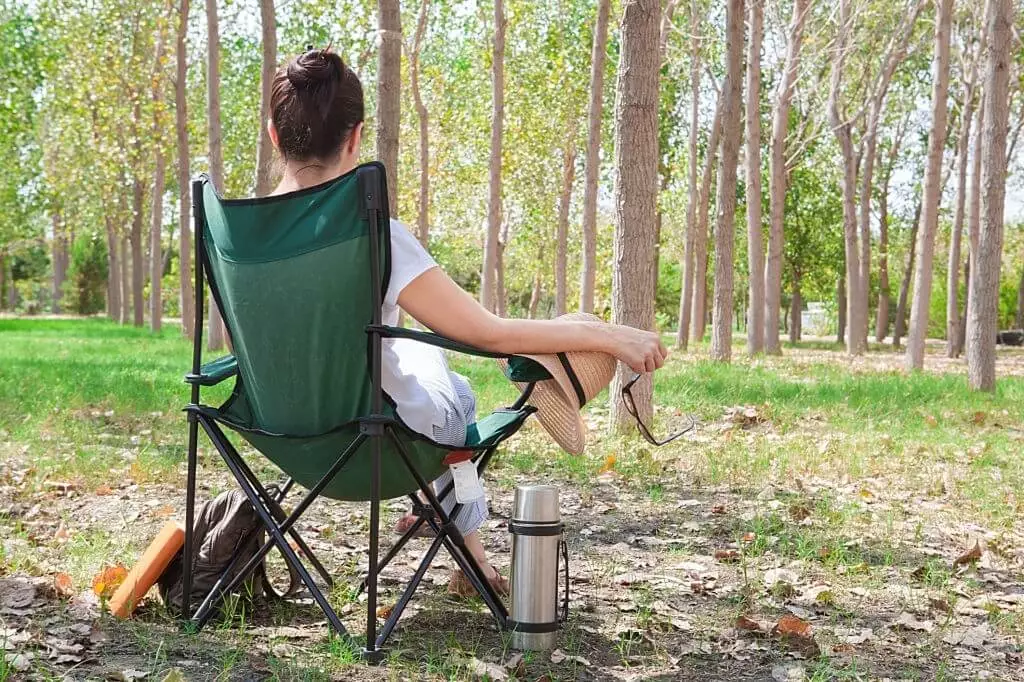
point(373, 429)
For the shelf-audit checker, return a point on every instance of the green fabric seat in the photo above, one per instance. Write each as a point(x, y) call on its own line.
point(293, 279)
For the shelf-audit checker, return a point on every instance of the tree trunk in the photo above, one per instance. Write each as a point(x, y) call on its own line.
point(921, 303)
point(953, 321)
point(983, 312)
point(698, 310)
point(562, 237)
point(423, 201)
point(592, 170)
point(635, 191)
point(882, 313)
point(389, 93)
point(126, 281)
point(4, 284)
point(900, 325)
point(12, 291)
point(686, 288)
point(973, 210)
point(777, 177)
point(487, 277)
point(113, 273)
point(215, 340)
point(184, 197)
point(135, 236)
point(500, 275)
point(725, 201)
point(264, 147)
point(841, 309)
point(60, 260)
point(796, 306)
point(156, 261)
point(855, 344)
point(535, 293)
point(755, 232)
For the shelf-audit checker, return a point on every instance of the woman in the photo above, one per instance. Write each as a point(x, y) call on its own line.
point(316, 125)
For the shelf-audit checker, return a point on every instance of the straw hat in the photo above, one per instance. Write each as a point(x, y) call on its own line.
point(557, 400)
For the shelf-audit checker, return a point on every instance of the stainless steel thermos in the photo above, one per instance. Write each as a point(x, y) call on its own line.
point(537, 548)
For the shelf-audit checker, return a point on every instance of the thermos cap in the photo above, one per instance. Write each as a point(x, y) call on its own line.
point(536, 504)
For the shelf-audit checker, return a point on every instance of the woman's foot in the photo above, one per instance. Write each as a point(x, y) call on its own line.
point(460, 586)
point(403, 525)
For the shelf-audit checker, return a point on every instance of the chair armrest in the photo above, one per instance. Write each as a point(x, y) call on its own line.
point(214, 372)
point(519, 368)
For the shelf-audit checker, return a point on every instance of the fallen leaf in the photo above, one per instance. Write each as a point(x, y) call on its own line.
point(718, 508)
point(18, 662)
point(482, 670)
point(817, 594)
point(63, 586)
point(609, 465)
point(774, 576)
point(970, 556)
point(16, 592)
point(164, 511)
point(129, 675)
point(104, 490)
point(63, 534)
point(173, 675)
point(558, 656)
point(726, 555)
point(908, 621)
point(969, 637)
point(106, 582)
point(749, 624)
point(516, 665)
point(748, 537)
point(384, 611)
point(978, 418)
point(791, 626)
point(799, 512)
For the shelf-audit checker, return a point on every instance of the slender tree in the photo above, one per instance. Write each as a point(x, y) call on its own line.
point(423, 120)
point(389, 93)
point(562, 236)
point(882, 312)
point(215, 335)
point(138, 214)
point(900, 325)
point(686, 289)
point(982, 313)
point(842, 128)
point(264, 146)
point(488, 289)
point(184, 197)
point(156, 261)
point(591, 166)
point(755, 232)
point(732, 105)
point(636, 186)
point(932, 192)
point(698, 309)
point(953, 320)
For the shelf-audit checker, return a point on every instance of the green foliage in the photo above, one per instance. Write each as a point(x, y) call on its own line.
point(85, 287)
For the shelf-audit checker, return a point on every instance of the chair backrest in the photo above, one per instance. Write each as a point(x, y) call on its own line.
point(294, 279)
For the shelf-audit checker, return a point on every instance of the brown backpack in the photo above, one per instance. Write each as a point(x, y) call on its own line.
point(223, 525)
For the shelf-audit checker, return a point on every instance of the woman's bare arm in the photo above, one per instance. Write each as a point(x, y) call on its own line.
point(440, 304)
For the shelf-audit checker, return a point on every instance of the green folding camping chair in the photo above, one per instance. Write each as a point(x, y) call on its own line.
point(300, 279)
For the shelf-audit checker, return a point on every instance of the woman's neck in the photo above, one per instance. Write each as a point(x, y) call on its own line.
point(299, 175)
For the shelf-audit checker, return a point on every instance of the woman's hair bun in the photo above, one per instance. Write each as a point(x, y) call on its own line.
point(315, 68)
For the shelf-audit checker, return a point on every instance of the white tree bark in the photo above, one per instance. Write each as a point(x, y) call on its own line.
point(156, 261)
point(918, 330)
point(264, 147)
point(686, 289)
point(636, 187)
point(591, 166)
point(777, 179)
point(953, 320)
point(698, 309)
point(488, 289)
point(755, 232)
point(725, 228)
point(982, 315)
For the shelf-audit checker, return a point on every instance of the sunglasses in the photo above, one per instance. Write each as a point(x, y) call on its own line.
point(627, 400)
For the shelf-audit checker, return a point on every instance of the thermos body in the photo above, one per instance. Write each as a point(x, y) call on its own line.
point(536, 528)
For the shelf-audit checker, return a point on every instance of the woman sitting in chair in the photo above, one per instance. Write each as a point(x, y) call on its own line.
point(316, 124)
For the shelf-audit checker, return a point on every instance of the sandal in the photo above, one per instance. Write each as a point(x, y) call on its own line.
point(460, 586)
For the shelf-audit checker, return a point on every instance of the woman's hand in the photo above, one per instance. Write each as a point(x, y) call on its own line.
point(642, 350)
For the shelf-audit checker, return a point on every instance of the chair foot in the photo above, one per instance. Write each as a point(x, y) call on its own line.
point(374, 656)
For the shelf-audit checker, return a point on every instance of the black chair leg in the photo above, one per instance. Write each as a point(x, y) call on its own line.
point(371, 652)
point(190, 514)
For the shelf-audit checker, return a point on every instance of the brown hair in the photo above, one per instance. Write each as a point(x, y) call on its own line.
point(315, 103)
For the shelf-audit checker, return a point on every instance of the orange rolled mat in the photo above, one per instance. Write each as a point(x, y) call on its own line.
point(147, 570)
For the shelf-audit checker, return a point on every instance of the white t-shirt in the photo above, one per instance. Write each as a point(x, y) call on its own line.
point(414, 374)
